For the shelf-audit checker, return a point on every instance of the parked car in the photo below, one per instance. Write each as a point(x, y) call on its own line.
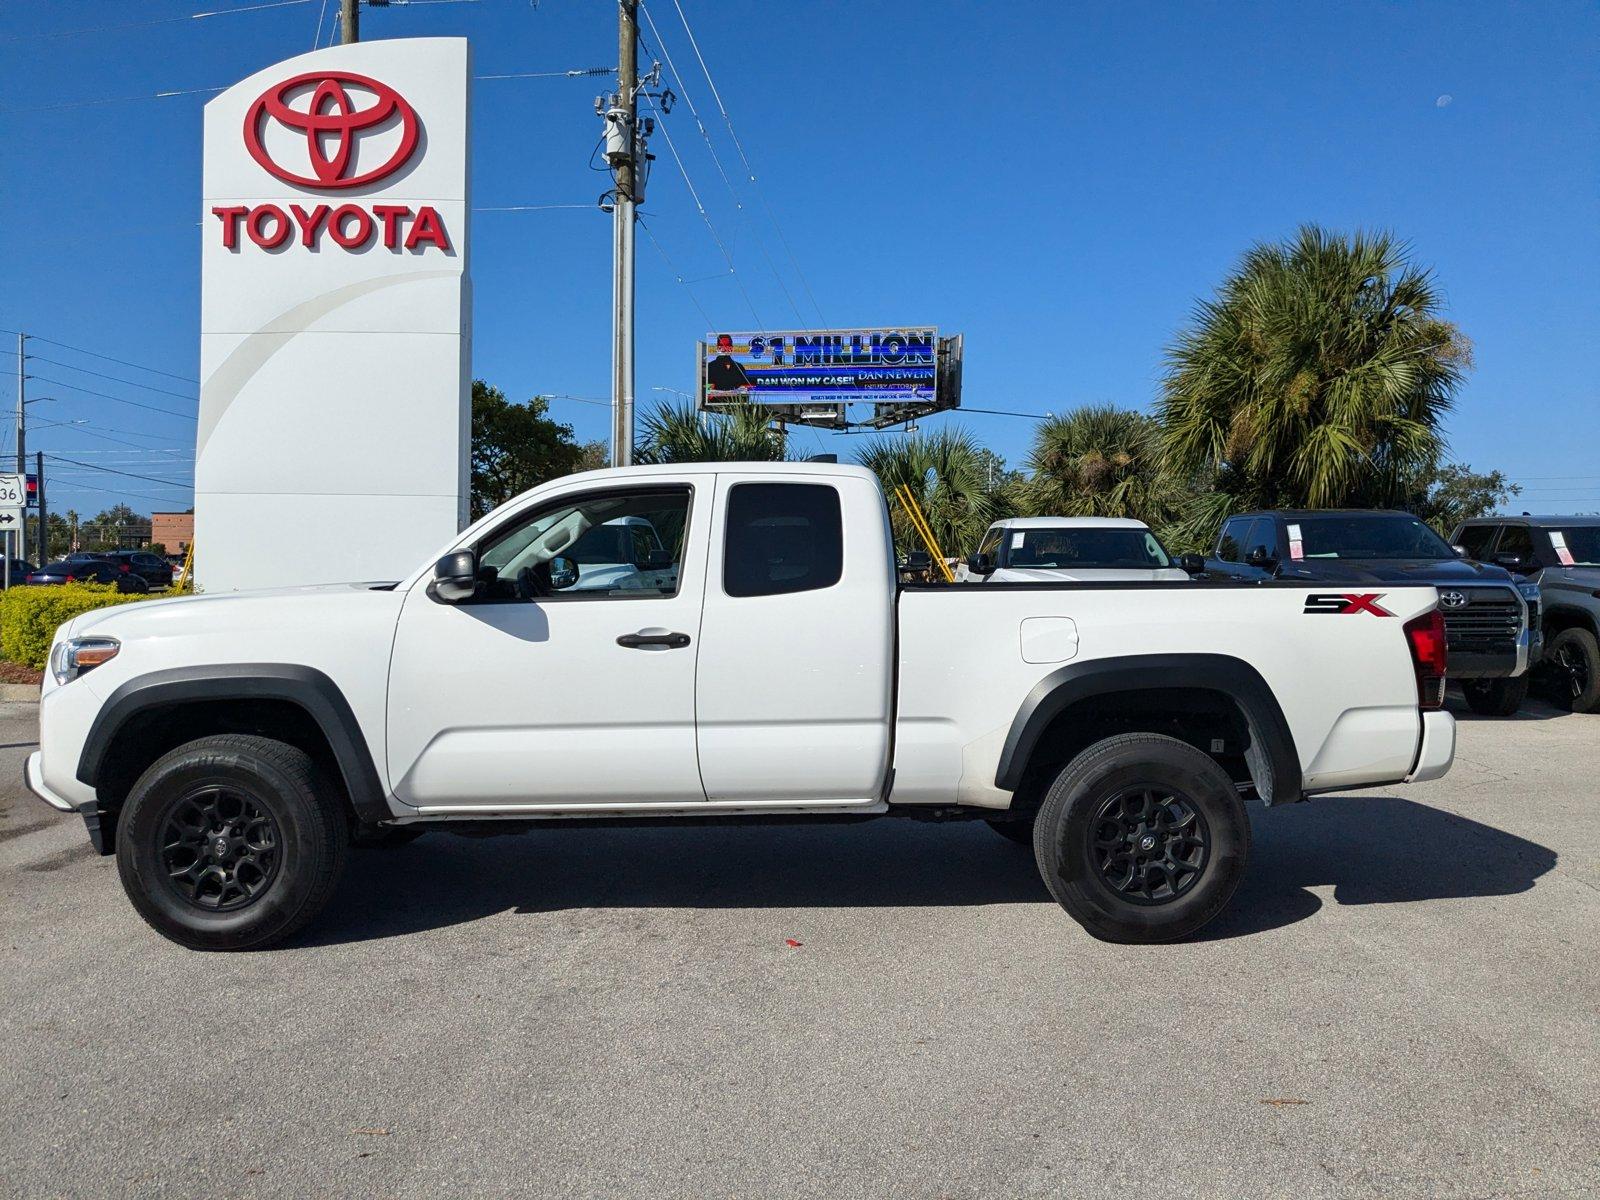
point(1491, 618)
point(231, 743)
point(1053, 549)
point(20, 570)
point(84, 569)
point(1561, 555)
point(152, 568)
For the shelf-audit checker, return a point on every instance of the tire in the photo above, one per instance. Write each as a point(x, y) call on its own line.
point(1142, 785)
point(1574, 660)
point(231, 842)
point(1495, 697)
point(1015, 830)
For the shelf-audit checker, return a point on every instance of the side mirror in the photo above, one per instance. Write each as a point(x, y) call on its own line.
point(455, 578)
point(980, 564)
point(563, 572)
point(1461, 551)
point(1261, 559)
point(1192, 563)
point(1514, 563)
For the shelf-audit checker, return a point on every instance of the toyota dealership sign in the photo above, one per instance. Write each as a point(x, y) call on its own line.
point(335, 316)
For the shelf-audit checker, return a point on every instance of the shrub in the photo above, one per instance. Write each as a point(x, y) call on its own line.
point(30, 616)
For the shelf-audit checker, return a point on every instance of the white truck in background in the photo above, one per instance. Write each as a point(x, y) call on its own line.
point(229, 748)
point(1077, 549)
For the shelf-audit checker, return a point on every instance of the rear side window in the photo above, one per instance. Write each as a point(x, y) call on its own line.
point(782, 538)
point(1476, 539)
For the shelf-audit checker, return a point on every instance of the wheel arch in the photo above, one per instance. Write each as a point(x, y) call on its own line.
point(287, 699)
point(1559, 617)
point(1149, 683)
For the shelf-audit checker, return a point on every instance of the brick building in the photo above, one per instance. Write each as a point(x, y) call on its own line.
point(174, 530)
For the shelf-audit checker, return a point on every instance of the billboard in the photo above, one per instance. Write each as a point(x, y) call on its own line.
point(821, 368)
point(335, 316)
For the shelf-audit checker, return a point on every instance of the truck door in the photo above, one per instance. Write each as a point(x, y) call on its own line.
point(793, 701)
point(558, 685)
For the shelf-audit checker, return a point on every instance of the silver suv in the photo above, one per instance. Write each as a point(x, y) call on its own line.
point(1561, 555)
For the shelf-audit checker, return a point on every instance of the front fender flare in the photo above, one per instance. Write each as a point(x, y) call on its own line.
point(1274, 763)
point(306, 687)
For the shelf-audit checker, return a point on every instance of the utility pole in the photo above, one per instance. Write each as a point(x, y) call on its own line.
point(349, 21)
point(44, 516)
point(22, 442)
point(621, 126)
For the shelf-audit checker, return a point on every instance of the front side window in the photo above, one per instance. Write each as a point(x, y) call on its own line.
point(1230, 546)
point(621, 543)
point(1518, 540)
point(1476, 539)
point(782, 538)
point(1106, 548)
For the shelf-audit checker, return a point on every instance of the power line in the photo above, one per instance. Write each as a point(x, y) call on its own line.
point(73, 483)
point(704, 215)
point(221, 12)
point(112, 471)
point(34, 337)
point(745, 159)
point(108, 396)
point(149, 387)
point(673, 267)
point(577, 73)
point(27, 108)
point(717, 159)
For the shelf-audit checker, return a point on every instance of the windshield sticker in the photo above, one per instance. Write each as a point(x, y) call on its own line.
point(1559, 541)
point(1297, 549)
point(1016, 540)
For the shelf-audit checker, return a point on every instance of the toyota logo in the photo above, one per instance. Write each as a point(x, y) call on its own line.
point(333, 125)
point(1453, 599)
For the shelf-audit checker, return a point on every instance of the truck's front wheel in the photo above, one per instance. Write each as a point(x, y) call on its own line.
point(230, 842)
point(1142, 838)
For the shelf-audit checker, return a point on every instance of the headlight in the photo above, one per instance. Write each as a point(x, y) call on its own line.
point(1530, 592)
point(74, 656)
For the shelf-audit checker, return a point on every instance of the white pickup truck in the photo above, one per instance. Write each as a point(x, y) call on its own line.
point(229, 748)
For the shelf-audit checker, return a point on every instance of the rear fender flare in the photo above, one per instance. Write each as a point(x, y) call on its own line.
point(1273, 761)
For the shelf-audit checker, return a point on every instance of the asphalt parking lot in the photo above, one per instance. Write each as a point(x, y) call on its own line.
point(1402, 1001)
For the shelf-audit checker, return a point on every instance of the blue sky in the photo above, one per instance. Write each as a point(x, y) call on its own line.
point(1060, 182)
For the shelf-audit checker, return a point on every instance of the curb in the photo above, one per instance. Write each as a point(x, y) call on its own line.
point(19, 693)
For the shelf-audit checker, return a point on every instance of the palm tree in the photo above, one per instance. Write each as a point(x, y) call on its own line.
point(1318, 376)
point(1102, 461)
point(948, 475)
point(677, 433)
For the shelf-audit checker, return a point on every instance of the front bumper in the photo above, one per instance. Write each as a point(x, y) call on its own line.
point(1497, 664)
point(1438, 748)
point(33, 776)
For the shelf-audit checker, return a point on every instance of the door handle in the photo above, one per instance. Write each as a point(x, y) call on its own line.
point(646, 638)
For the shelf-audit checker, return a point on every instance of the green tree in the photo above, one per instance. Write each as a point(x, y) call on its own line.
point(678, 433)
point(1103, 461)
point(1318, 376)
point(1456, 493)
point(109, 528)
point(949, 477)
point(515, 447)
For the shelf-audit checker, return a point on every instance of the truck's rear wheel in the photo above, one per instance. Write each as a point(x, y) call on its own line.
point(1574, 660)
point(230, 842)
point(1142, 838)
point(1495, 697)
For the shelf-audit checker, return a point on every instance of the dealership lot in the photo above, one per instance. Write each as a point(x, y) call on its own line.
point(1400, 1002)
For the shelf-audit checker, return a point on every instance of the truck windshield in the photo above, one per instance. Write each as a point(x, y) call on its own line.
point(1582, 543)
point(1364, 536)
point(1109, 548)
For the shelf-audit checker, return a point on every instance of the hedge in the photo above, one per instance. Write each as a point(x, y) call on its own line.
point(30, 616)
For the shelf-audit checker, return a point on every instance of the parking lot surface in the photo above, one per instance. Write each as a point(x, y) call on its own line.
point(1402, 1001)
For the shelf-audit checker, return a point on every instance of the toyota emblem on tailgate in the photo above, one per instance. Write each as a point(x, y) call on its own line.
point(1453, 599)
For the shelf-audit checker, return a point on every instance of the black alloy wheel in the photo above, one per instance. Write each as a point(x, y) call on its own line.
point(220, 848)
point(1573, 668)
point(1150, 844)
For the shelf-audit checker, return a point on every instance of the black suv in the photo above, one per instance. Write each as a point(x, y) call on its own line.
point(152, 568)
point(1562, 556)
point(1491, 618)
